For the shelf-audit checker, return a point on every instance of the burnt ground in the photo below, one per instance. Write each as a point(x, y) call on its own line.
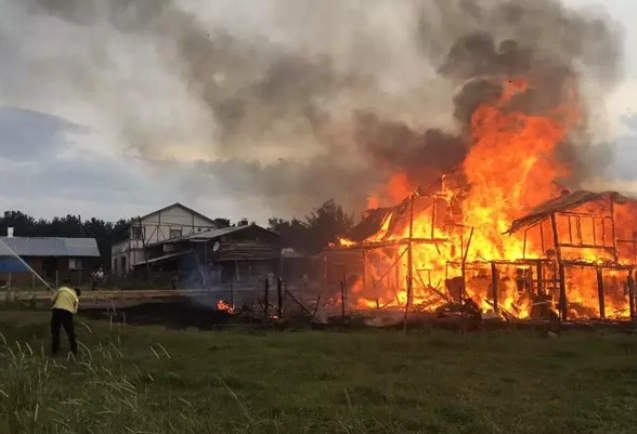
point(184, 313)
point(175, 314)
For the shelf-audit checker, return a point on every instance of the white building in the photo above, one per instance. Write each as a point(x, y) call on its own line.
point(168, 223)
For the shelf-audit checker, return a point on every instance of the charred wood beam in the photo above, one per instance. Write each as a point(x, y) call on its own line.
point(534, 262)
point(612, 226)
point(587, 246)
point(390, 268)
point(279, 293)
point(600, 293)
point(577, 214)
point(631, 295)
point(494, 286)
point(561, 277)
point(305, 309)
point(389, 244)
point(266, 296)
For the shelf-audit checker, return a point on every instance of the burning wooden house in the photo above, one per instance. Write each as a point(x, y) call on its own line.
point(570, 257)
point(498, 233)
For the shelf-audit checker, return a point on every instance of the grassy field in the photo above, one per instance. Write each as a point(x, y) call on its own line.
point(152, 380)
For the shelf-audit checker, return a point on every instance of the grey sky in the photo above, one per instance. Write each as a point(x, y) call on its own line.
point(84, 109)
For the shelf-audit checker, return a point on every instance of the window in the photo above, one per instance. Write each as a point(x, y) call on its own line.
point(175, 233)
point(136, 232)
point(75, 264)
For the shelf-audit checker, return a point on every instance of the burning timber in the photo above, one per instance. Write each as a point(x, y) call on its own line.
point(572, 257)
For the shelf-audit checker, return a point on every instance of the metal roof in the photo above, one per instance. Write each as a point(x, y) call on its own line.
point(217, 233)
point(164, 257)
point(49, 246)
point(179, 205)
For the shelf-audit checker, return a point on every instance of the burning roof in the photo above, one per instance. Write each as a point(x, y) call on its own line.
point(565, 202)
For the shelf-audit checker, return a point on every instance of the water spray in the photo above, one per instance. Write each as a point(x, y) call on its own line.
point(23, 262)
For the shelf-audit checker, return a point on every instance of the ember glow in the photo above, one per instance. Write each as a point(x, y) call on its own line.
point(221, 305)
point(463, 243)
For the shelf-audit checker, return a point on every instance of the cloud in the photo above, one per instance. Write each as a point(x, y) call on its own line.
point(245, 109)
point(50, 166)
point(27, 134)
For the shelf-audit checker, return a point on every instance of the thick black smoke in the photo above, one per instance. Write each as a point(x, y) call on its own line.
point(298, 100)
point(552, 48)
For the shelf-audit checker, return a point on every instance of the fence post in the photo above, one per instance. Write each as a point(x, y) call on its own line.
point(266, 296)
point(56, 279)
point(279, 297)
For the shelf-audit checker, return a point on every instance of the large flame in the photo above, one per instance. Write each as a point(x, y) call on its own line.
point(510, 169)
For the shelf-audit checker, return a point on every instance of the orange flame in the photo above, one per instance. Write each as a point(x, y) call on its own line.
point(221, 305)
point(511, 168)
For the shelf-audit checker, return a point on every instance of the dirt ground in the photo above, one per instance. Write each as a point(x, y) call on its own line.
point(184, 313)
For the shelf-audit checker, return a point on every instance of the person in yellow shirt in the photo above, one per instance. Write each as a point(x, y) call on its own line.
point(65, 302)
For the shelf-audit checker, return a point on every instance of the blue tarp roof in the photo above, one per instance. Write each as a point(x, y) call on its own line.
point(12, 265)
point(49, 246)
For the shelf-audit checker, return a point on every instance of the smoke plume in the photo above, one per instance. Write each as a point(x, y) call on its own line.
point(299, 101)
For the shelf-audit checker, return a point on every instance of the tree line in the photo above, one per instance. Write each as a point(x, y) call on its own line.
point(309, 235)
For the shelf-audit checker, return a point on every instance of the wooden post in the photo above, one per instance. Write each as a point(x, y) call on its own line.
point(463, 272)
point(410, 263)
point(631, 295)
point(376, 293)
point(279, 294)
point(410, 255)
point(560, 265)
point(539, 275)
point(364, 274)
point(318, 303)
point(600, 293)
point(397, 283)
point(343, 300)
point(325, 270)
point(266, 295)
point(231, 295)
point(612, 227)
point(407, 304)
point(494, 285)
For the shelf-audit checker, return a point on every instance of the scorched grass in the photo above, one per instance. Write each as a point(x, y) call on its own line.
point(153, 380)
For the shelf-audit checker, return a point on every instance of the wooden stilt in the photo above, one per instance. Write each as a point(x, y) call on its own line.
point(560, 267)
point(494, 285)
point(600, 293)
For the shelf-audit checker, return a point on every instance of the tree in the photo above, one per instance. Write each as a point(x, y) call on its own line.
point(222, 222)
point(321, 227)
point(326, 224)
point(294, 233)
point(105, 233)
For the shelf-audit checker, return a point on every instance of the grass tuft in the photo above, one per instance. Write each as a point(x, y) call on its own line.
point(153, 380)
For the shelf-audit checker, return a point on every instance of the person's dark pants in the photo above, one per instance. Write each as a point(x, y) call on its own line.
point(62, 318)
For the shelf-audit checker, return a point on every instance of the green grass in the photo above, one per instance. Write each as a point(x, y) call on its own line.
point(152, 380)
